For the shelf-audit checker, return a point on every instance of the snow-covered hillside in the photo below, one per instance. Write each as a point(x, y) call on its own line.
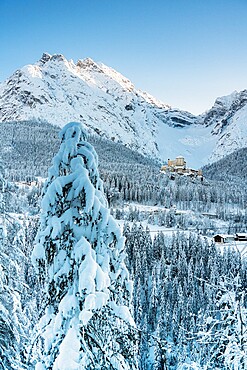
point(228, 120)
point(58, 91)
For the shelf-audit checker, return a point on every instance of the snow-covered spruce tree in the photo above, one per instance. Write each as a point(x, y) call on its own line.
point(224, 334)
point(80, 256)
point(14, 322)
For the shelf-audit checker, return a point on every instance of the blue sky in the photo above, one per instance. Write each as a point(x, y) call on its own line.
point(184, 52)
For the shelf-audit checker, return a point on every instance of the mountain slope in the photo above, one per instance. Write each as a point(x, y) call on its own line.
point(57, 91)
point(228, 120)
point(231, 168)
point(27, 149)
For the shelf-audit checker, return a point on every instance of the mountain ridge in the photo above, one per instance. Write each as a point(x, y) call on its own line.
point(58, 90)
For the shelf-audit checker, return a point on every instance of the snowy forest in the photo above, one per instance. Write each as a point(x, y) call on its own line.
point(107, 263)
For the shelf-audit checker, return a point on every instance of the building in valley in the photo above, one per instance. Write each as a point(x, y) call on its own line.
point(178, 166)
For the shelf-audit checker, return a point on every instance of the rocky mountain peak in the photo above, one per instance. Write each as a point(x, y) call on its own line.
point(57, 91)
point(223, 110)
point(58, 58)
point(45, 58)
point(88, 64)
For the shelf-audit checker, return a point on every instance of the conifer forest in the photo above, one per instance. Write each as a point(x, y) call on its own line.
point(107, 263)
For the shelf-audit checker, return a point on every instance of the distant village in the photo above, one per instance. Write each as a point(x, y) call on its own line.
point(178, 166)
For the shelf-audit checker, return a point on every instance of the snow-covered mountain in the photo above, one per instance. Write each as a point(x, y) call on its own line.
point(212, 135)
point(58, 91)
point(228, 120)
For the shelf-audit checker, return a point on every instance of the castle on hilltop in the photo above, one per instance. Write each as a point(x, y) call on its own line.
point(178, 166)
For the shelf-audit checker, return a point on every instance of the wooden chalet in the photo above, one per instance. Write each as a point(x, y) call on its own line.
point(223, 238)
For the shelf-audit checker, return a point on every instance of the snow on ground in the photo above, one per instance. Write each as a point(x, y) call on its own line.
point(107, 103)
point(154, 229)
point(169, 231)
point(194, 142)
point(234, 136)
point(241, 247)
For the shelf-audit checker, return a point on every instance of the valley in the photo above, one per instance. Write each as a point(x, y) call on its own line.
point(189, 293)
point(57, 91)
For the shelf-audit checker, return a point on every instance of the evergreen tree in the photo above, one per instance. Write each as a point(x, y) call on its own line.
point(79, 255)
point(13, 321)
point(224, 335)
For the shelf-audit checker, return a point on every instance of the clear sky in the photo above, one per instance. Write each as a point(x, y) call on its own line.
point(184, 52)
